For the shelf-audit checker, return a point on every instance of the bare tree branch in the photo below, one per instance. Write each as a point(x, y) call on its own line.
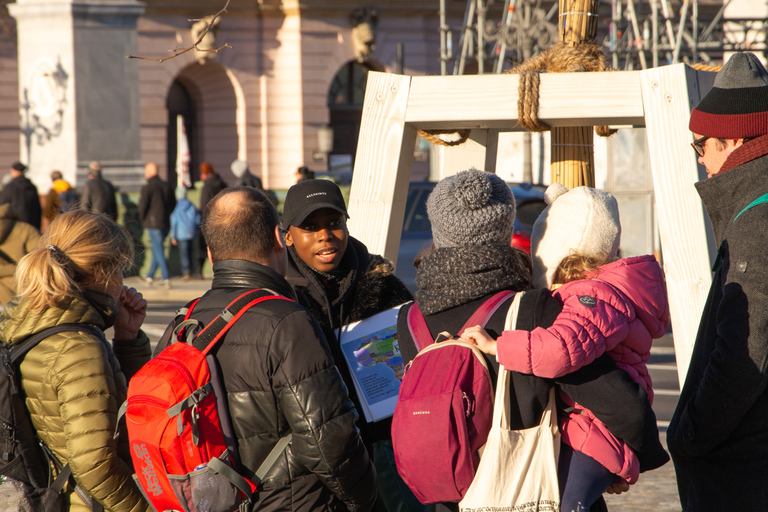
point(180, 51)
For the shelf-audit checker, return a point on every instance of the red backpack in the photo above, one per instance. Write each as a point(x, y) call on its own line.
point(444, 410)
point(182, 443)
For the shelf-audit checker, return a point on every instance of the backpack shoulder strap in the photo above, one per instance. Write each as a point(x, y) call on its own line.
point(422, 337)
point(182, 314)
point(216, 329)
point(417, 325)
point(19, 350)
point(486, 310)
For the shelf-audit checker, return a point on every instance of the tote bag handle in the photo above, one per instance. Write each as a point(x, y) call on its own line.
point(501, 401)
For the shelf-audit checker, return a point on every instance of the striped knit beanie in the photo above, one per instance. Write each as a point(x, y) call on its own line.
point(737, 106)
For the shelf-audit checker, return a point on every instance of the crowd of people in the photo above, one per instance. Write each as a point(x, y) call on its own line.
point(585, 324)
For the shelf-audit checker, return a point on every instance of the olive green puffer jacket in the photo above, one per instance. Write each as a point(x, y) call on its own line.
point(74, 386)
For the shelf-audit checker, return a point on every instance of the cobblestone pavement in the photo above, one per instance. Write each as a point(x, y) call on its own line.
point(655, 491)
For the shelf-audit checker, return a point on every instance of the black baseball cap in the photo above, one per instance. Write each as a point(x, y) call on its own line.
point(18, 166)
point(304, 198)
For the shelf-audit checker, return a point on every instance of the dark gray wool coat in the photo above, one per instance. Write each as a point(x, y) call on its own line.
point(718, 437)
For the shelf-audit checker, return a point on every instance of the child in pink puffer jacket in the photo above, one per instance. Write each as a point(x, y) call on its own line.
point(614, 306)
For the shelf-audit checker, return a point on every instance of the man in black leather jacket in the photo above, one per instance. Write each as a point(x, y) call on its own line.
point(278, 371)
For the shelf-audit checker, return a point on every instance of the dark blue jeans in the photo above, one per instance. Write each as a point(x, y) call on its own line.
point(583, 480)
point(156, 239)
point(185, 254)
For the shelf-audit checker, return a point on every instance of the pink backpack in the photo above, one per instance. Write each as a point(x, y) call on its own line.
point(444, 410)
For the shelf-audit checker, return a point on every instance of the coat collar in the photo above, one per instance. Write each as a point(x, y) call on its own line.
point(248, 274)
point(726, 194)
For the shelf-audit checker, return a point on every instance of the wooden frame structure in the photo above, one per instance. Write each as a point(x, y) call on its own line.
point(658, 99)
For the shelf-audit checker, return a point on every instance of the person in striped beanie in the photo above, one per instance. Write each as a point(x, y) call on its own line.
point(717, 436)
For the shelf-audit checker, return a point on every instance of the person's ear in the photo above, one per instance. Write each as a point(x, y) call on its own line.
point(288, 237)
point(279, 243)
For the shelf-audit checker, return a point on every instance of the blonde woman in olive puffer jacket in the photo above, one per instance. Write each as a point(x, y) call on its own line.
point(75, 381)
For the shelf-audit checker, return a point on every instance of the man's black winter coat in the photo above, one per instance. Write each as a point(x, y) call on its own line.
point(280, 378)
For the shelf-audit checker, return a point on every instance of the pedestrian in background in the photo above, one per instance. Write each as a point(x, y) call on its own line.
point(718, 437)
point(185, 225)
point(17, 238)
point(212, 185)
point(61, 197)
point(23, 196)
point(98, 193)
point(156, 203)
point(304, 174)
point(245, 179)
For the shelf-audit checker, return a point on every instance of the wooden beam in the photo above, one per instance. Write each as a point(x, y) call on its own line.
point(669, 95)
point(478, 152)
point(490, 101)
point(382, 165)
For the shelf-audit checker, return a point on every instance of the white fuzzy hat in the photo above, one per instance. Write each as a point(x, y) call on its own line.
point(581, 221)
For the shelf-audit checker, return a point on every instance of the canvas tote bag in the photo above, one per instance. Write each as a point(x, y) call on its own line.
point(518, 468)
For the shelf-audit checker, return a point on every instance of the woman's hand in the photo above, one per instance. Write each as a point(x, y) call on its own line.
point(478, 336)
point(132, 312)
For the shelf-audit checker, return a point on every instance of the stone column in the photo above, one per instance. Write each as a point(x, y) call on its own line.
point(78, 94)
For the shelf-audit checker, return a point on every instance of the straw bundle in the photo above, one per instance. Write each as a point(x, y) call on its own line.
point(573, 158)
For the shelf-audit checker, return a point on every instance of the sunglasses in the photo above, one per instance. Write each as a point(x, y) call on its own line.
point(698, 145)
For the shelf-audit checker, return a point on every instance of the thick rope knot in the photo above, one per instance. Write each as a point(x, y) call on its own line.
point(561, 58)
point(528, 102)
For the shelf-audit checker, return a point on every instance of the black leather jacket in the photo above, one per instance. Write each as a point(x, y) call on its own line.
point(280, 378)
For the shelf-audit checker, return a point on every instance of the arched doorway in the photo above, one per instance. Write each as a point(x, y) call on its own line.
point(180, 102)
point(345, 102)
point(207, 94)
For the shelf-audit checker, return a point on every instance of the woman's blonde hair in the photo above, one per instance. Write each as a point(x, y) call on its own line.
point(79, 250)
point(577, 266)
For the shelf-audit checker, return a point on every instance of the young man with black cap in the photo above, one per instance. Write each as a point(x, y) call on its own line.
point(23, 196)
point(718, 437)
point(334, 275)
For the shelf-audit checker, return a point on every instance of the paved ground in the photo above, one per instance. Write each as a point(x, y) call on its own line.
point(655, 491)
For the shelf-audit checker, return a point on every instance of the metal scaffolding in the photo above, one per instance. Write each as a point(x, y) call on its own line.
point(635, 35)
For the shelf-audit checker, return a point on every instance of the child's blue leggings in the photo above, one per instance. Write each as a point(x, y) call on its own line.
point(582, 480)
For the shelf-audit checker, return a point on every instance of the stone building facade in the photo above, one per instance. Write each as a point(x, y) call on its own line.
point(291, 68)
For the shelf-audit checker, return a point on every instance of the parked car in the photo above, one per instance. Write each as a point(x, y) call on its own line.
point(417, 232)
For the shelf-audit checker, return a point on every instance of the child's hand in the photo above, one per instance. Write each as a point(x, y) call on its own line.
point(478, 336)
point(618, 486)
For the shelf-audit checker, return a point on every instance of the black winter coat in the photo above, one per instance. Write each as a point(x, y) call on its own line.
point(156, 203)
point(718, 436)
point(280, 378)
point(24, 199)
point(366, 285)
point(212, 185)
point(99, 196)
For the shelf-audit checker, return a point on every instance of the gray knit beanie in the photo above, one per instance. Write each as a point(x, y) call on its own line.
point(583, 221)
point(471, 208)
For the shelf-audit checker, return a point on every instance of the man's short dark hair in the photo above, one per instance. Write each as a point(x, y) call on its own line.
point(239, 223)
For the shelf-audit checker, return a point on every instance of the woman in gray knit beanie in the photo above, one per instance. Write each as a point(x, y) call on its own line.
point(472, 214)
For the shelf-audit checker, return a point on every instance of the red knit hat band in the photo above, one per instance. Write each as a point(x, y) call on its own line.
point(735, 126)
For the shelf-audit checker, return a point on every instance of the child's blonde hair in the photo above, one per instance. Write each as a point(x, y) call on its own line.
point(575, 267)
point(79, 250)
